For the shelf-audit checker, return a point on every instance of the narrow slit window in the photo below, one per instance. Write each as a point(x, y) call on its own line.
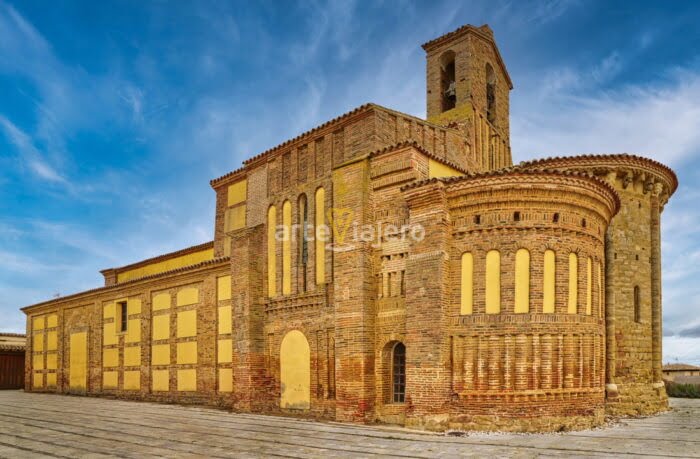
point(399, 374)
point(123, 321)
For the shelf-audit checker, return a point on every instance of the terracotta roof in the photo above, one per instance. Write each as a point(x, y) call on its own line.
point(165, 256)
point(130, 281)
point(12, 347)
point(620, 157)
point(679, 367)
point(414, 144)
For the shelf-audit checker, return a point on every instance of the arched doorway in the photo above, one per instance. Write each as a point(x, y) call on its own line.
point(295, 372)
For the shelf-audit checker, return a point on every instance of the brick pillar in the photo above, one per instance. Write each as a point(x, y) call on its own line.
point(354, 303)
point(250, 391)
point(656, 331)
point(427, 276)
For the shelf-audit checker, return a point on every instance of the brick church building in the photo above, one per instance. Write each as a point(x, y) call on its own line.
point(383, 267)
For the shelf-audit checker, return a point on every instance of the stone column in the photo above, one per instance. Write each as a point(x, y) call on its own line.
point(656, 327)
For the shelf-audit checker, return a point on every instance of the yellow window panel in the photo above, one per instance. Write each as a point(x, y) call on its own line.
point(319, 243)
point(109, 311)
point(38, 342)
point(78, 361)
point(51, 341)
point(51, 380)
point(109, 335)
point(467, 285)
point(522, 281)
point(187, 324)
point(493, 282)
point(38, 323)
point(133, 331)
point(38, 382)
point(227, 246)
point(235, 218)
point(133, 306)
point(225, 351)
point(132, 356)
point(160, 354)
point(161, 380)
point(51, 361)
point(225, 380)
point(161, 301)
point(223, 288)
point(161, 327)
point(287, 249)
point(132, 380)
point(187, 380)
point(110, 358)
point(271, 252)
point(237, 192)
point(573, 284)
point(225, 325)
point(110, 380)
point(549, 281)
point(187, 296)
point(38, 362)
point(187, 353)
point(52, 321)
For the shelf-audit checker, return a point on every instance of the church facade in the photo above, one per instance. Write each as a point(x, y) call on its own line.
point(382, 267)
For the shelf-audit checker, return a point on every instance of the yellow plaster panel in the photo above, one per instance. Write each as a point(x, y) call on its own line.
point(166, 265)
point(132, 356)
point(227, 246)
point(132, 380)
point(187, 353)
point(522, 281)
point(51, 361)
point(161, 301)
point(78, 361)
point(109, 336)
point(51, 321)
point(187, 380)
point(600, 289)
point(549, 281)
point(38, 344)
point(110, 358)
point(133, 306)
point(109, 311)
point(189, 295)
point(225, 380)
point(467, 286)
point(225, 325)
point(287, 248)
point(573, 283)
point(225, 351)
point(271, 252)
point(295, 371)
point(38, 380)
point(437, 169)
point(161, 327)
point(160, 354)
point(133, 331)
point(110, 380)
point(235, 218)
point(51, 380)
point(38, 323)
point(319, 243)
point(51, 341)
point(187, 323)
point(38, 362)
point(223, 288)
point(161, 380)
point(493, 282)
point(237, 192)
point(589, 286)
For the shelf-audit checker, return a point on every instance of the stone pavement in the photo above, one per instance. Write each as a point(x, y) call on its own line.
point(46, 425)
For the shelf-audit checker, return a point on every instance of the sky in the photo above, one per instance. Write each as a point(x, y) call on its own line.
point(114, 116)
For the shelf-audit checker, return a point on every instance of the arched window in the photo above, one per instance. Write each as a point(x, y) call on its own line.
point(302, 261)
point(321, 235)
point(573, 283)
point(271, 251)
point(287, 248)
point(589, 286)
point(490, 94)
point(522, 281)
point(493, 282)
point(398, 373)
point(549, 282)
point(467, 287)
point(637, 305)
point(448, 87)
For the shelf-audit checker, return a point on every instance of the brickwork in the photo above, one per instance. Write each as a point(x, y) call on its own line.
point(454, 290)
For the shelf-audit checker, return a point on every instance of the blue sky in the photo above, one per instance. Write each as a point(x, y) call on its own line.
point(115, 115)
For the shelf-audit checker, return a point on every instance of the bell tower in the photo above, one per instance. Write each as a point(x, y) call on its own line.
point(468, 87)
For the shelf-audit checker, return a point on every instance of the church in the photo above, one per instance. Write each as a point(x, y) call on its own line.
point(387, 268)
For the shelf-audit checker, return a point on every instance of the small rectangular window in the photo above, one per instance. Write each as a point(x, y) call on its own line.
point(122, 316)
